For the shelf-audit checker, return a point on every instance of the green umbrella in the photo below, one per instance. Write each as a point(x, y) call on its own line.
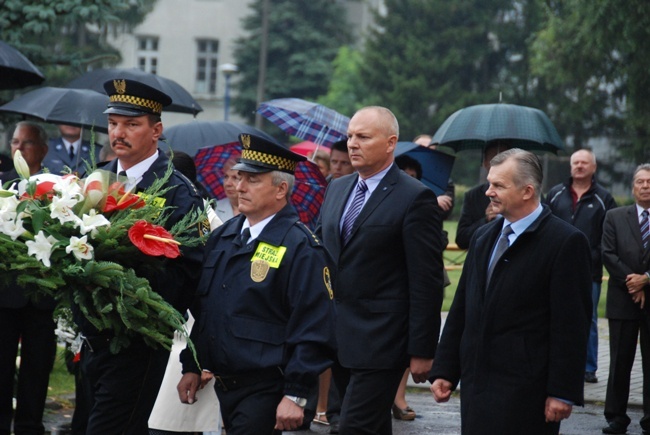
point(518, 126)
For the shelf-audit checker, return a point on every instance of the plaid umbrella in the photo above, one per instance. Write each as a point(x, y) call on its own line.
point(308, 190)
point(306, 120)
point(519, 126)
point(16, 71)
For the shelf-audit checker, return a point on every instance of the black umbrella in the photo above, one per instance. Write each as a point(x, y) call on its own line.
point(80, 107)
point(191, 136)
point(182, 101)
point(16, 71)
point(519, 126)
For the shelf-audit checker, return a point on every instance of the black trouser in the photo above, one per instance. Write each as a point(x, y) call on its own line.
point(121, 388)
point(35, 330)
point(368, 396)
point(622, 344)
point(251, 409)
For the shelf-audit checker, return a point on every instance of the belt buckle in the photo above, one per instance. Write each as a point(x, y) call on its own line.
point(221, 383)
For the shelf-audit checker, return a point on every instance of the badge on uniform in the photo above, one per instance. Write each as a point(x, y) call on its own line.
point(327, 278)
point(265, 257)
point(259, 270)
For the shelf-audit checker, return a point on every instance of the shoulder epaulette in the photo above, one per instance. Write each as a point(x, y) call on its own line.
point(315, 241)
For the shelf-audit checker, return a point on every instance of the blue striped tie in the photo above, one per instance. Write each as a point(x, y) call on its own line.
point(645, 234)
point(353, 211)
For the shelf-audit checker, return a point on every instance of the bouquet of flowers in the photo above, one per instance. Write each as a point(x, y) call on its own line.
point(80, 240)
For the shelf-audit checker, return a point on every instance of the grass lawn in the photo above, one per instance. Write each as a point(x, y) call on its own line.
point(455, 257)
point(61, 381)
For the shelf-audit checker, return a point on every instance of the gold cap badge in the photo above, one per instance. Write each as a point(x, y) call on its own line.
point(120, 86)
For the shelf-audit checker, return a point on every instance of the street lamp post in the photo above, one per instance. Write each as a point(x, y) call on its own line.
point(228, 69)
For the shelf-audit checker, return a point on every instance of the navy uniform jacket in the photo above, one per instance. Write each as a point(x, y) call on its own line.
point(253, 316)
point(57, 156)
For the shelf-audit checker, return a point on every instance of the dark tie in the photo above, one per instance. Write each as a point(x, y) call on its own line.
point(71, 152)
point(122, 174)
point(245, 235)
point(645, 234)
point(502, 245)
point(353, 211)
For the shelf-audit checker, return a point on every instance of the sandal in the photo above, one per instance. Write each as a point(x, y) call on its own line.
point(321, 419)
point(406, 414)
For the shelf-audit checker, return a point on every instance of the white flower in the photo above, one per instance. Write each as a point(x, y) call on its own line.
point(12, 228)
point(68, 186)
point(61, 209)
point(80, 248)
point(41, 247)
point(90, 222)
point(94, 187)
point(21, 164)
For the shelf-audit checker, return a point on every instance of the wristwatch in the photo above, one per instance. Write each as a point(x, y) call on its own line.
point(300, 401)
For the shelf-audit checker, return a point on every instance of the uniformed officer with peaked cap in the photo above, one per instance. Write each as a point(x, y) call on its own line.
point(122, 387)
point(265, 316)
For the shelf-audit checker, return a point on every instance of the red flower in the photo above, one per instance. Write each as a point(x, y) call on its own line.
point(126, 201)
point(43, 189)
point(153, 240)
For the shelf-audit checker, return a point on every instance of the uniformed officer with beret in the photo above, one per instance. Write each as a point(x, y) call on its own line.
point(265, 316)
point(122, 387)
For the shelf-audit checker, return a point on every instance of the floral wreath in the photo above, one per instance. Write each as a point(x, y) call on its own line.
point(78, 240)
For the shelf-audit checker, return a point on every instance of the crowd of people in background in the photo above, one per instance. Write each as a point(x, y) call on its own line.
point(296, 326)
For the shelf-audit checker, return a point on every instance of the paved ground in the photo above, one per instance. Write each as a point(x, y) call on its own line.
point(445, 419)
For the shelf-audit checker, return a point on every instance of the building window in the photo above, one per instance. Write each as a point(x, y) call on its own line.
point(148, 54)
point(206, 66)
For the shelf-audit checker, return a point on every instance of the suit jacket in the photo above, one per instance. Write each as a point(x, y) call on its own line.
point(388, 290)
point(472, 215)
point(622, 254)
point(57, 156)
point(523, 337)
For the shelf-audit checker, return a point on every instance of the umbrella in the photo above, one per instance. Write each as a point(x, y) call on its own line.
point(436, 165)
point(191, 136)
point(182, 101)
point(306, 147)
point(80, 107)
point(308, 190)
point(16, 71)
point(308, 121)
point(518, 126)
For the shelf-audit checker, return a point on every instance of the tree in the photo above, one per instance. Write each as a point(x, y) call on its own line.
point(303, 40)
point(429, 58)
point(346, 90)
point(595, 57)
point(55, 35)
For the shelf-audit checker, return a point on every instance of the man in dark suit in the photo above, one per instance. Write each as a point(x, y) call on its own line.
point(69, 150)
point(25, 321)
point(627, 260)
point(388, 291)
point(516, 334)
point(477, 209)
point(122, 387)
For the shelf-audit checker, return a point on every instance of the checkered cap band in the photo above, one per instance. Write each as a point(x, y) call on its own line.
point(281, 163)
point(152, 105)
